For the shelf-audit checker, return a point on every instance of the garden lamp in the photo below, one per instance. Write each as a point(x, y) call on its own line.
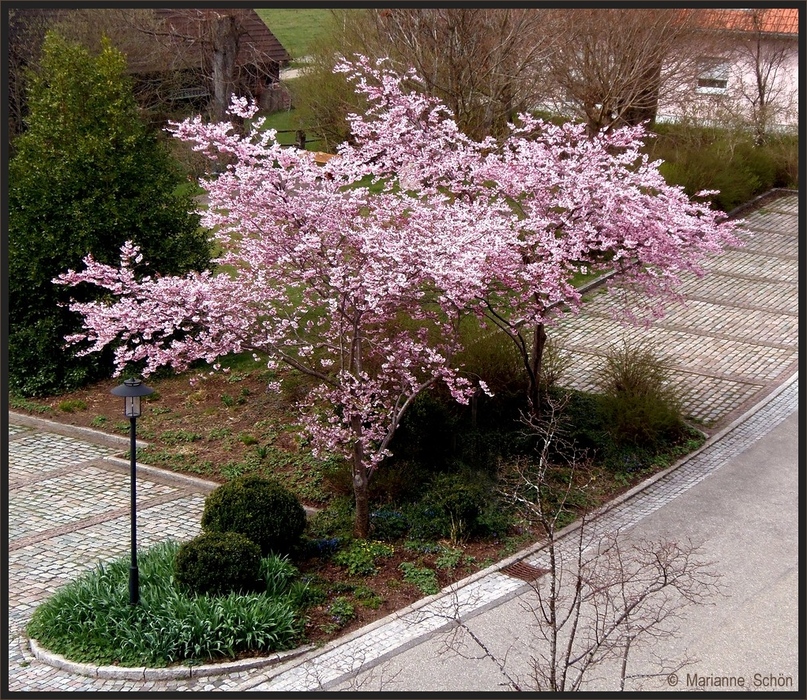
point(131, 390)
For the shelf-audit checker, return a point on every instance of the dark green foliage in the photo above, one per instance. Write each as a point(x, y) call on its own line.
point(342, 611)
point(452, 508)
point(362, 556)
point(423, 578)
point(333, 521)
point(388, 524)
point(278, 574)
point(640, 405)
point(217, 563)
point(724, 160)
point(427, 433)
point(86, 176)
point(258, 508)
point(90, 619)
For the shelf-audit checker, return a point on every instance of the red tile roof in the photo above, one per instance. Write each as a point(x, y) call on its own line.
point(772, 20)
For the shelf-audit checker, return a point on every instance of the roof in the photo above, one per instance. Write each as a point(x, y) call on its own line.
point(257, 44)
point(772, 20)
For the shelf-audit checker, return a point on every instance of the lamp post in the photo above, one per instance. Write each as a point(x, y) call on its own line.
point(132, 390)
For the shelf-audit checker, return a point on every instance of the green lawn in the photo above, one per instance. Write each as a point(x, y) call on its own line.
point(296, 29)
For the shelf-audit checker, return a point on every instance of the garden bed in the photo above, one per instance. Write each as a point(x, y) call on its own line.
point(227, 425)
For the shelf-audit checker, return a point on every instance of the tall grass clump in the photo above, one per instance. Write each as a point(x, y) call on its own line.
point(641, 407)
point(90, 620)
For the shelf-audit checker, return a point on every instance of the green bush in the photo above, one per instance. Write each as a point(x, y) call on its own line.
point(388, 524)
point(640, 405)
point(90, 619)
point(258, 508)
point(86, 176)
point(726, 160)
point(333, 521)
point(217, 563)
point(451, 508)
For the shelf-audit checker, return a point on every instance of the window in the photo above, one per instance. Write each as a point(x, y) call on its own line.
point(713, 76)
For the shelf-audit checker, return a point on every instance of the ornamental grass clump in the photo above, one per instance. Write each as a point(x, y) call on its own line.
point(90, 620)
point(641, 406)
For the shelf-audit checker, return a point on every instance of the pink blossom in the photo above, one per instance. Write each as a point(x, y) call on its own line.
point(364, 291)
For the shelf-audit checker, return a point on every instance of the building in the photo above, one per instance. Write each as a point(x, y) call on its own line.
point(746, 71)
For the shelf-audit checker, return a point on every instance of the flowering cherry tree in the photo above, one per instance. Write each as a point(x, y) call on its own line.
point(364, 290)
point(569, 203)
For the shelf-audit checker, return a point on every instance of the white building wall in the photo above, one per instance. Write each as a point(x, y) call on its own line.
point(736, 104)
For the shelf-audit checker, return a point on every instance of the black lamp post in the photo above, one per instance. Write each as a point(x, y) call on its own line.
point(132, 390)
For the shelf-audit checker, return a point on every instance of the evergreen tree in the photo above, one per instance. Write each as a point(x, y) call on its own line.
point(86, 176)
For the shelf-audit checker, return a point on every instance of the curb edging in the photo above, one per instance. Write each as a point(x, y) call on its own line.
point(74, 431)
point(144, 673)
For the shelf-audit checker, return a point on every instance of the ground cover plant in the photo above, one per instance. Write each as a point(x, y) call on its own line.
point(91, 619)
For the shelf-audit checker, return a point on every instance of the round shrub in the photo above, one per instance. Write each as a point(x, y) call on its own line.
point(258, 508)
point(451, 508)
point(218, 563)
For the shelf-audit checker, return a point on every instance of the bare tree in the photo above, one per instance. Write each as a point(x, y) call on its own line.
point(599, 599)
point(611, 66)
point(26, 32)
point(484, 63)
point(762, 61)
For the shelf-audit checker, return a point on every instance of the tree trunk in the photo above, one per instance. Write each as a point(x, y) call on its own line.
point(536, 358)
point(225, 50)
point(645, 107)
point(361, 481)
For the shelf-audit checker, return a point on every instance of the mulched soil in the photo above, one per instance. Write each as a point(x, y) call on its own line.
point(228, 424)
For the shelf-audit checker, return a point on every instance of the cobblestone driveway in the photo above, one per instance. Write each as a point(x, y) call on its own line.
point(736, 338)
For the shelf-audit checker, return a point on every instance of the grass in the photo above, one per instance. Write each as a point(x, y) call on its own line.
point(286, 123)
point(91, 619)
point(296, 29)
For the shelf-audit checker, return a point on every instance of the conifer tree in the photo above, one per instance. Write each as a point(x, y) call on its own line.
point(86, 176)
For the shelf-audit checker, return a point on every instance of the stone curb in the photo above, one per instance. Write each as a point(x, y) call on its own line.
point(74, 431)
point(186, 480)
point(141, 673)
point(759, 201)
point(517, 557)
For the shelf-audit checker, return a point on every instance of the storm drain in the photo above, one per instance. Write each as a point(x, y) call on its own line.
point(524, 571)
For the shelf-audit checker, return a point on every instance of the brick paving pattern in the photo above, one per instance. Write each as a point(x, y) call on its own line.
point(734, 340)
point(734, 344)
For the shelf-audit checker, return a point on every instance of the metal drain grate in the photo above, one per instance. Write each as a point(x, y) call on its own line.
point(524, 571)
